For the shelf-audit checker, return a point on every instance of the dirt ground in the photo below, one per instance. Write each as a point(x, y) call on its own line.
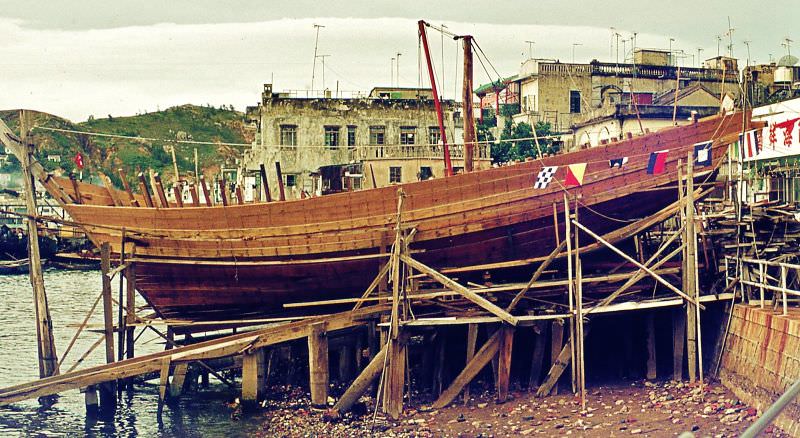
point(640, 408)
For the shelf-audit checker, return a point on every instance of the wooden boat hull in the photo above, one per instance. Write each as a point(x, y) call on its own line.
point(228, 262)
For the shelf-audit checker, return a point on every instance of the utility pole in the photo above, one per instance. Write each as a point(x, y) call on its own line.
point(530, 48)
point(48, 360)
point(316, 44)
point(398, 68)
point(573, 51)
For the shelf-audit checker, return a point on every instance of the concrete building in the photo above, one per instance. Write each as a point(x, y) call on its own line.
point(325, 145)
point(564, 94)
point(767, 83)
point(616, 120)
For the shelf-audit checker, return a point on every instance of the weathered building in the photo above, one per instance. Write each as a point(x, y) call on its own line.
point(563, 94)
point(767, 83)
point(330, 144)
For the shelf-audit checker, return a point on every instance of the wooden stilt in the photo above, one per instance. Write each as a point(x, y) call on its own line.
point(108, 311)
point(504, 362)
point(678, 341)
point(346, 358)
point(163, 385)
point(91, 400)
point(650, 329)
point(361, 383)
point(689, 268)
point(438, 363)
point(580, 338)
point(253, 389)
point(318, 364)
point(178, 379)
point(556, 343)
point(480, 360)
point(570, 291)
point(537, 357)
point(472, 339)
point(394, 380)
point(48, 359)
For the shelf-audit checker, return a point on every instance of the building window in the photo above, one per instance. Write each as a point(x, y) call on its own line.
point(351, 136)
point(574, 101)
point(408, 134)
point(288, 135)
point(291, 180)
point(377, 135)
point(332, 136)
point(425, 172)
point(434, 136)
point(395, 174)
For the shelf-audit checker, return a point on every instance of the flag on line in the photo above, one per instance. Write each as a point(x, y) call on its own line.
point(657, 163)
point(702, 153)
point(751, 144)
point(544, 177)
point(575, 174)
point(617, 162)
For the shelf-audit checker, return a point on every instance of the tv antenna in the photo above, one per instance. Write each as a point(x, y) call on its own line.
point(316, 44)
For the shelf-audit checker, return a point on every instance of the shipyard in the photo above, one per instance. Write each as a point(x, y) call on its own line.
point(414, 220)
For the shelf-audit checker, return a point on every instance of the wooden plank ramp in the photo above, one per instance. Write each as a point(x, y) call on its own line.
point(226, 346)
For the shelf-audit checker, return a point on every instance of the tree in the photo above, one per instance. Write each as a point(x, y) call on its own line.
point(518, 142)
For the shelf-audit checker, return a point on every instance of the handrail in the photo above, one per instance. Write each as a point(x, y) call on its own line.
point(763, 279)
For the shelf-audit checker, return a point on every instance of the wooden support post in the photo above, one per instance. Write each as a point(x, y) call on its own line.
point(253, 379)
point(265, 183)
point(690, 286)
point(130, 307)
point(48, 359)
point(148, 200)
point(570, 290)
point(504, 362)
point(346, 358)
point(318, 364)
point(560, 363)
point(650, 329)
point(438, 362)
point(537, 358)
point(91, 400)
point(556, 343)
point(395, 377)
point(108, 311)
point(472, 340)
point(239, 195)
point(481, 358)
point(281, 189)
point(361, 383)
point(678, 341)
point(466, 96)
point(163, 384)
point(206, 193)
point(179, 379)
point(580, 338)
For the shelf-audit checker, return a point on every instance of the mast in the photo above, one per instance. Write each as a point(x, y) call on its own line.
point(448, 165)
point(466, 94)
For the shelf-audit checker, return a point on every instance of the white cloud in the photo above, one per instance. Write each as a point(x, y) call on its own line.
point(75, 73)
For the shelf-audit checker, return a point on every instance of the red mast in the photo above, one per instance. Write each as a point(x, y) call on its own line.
point(448, 165)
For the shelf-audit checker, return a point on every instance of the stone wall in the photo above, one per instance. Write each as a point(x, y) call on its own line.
point(761, 360)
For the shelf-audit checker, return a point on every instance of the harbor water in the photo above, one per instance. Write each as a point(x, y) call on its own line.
point(70, 295)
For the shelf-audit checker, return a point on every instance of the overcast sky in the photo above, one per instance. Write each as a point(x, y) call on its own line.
point(100, 57)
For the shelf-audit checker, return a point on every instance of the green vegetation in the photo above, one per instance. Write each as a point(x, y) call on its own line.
point(107, 154)
point(506, 149)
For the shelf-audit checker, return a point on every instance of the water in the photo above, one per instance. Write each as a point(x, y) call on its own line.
point(70, 295)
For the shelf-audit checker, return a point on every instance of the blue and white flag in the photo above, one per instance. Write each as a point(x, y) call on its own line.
point(617, 162)
point(702, 153)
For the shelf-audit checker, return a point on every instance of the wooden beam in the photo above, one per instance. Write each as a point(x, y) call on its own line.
point(148, 200)
point(206, 193)
point(281, 189)
point(556, 344)
point(504, 362)
point(159, 189)
point(178, 380)
point(108, 312)
point(176, 190)
point(131, 199)
point(650, 329)
point(559, 365)
point(223, 190)
point(394, 379)
point(130, 307)
point(195, 196)
point(481, 358)
point(466, 293)
point(110, 189)
point(253, 379)
point(239, 195)
point(375, 283)
point(318, 364)
point(678, 342)
point(536, 275)
point(265, 182)
point(361, 383)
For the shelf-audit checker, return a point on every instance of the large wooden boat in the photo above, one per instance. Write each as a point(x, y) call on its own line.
point(223, 262)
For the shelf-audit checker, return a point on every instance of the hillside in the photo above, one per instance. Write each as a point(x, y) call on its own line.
point(186, 122)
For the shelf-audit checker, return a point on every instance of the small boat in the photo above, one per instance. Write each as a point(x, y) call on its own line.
point(74, 262)
point(15, 267)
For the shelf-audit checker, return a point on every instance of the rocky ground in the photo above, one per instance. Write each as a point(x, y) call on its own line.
point(641, 408)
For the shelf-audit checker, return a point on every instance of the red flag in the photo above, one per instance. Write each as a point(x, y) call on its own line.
point(79, 160)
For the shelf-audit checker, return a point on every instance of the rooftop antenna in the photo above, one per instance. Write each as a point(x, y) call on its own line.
point(530, 48)
point(730, 37)
point(573, 50)
point(391, 81)
point(788, 44)
point(398, 68)
point(323, 69)
point(316, 44)
point(671, 40)
point(719, 41)
point(747, 44)
point(699, 62)
point(611, 43)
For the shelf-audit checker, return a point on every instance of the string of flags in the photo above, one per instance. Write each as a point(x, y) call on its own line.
point(656, 164)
